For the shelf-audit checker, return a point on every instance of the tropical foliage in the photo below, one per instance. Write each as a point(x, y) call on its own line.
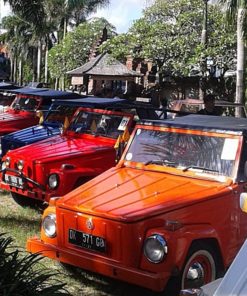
point(75, 48)
point(169, 33)
point(236, 12)
point(37, 26)
point(20, 275)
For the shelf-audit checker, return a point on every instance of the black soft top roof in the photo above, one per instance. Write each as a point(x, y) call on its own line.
point(226, 124)
point(27, 90)
point(54, 94)
point(95, 102)
point(7, 86)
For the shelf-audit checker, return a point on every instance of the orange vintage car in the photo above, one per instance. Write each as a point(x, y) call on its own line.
point(167, 216)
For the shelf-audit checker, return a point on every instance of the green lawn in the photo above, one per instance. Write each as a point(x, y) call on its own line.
point(21, 223)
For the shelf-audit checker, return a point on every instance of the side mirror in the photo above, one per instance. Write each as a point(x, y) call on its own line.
point(243, 201)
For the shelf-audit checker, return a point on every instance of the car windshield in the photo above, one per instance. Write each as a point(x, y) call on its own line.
point(107, 125)
point(6, 101)
point(184, 150)
point(59, 113)
point(28, 104)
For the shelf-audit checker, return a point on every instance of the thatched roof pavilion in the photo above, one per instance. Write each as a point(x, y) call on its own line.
point(102, 68)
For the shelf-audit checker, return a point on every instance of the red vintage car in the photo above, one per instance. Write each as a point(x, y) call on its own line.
point(6, 98)
point(22, 112)
point(55, 166)
point(167, 216)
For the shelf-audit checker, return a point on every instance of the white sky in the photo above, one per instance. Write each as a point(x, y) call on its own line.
point(119, 13)
point(4, 9)
point(122, 13)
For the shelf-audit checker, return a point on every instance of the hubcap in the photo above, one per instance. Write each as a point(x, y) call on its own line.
point(199, 271)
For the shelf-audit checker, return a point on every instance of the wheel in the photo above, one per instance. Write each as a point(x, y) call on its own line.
point(24, 201)
point(200, 268)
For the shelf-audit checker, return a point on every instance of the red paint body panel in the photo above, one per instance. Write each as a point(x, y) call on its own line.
point(14, 119)
point(72, 156)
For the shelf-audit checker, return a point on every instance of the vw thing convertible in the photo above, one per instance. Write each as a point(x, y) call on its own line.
point(55, 166)
point(167, 216)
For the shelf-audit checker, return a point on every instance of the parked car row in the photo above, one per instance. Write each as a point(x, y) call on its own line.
point(155, 203)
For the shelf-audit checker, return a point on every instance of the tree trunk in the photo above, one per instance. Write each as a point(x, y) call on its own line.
point(12, 68)
point(39, 61)
point(46, 64)
point(20, 78)
point(15, 70)
point(204, 40)
point(65, 27)
point(56, 83)
point(240, 61)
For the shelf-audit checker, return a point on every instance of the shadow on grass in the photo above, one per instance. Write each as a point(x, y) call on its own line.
point(26, 222)
point(103, 285)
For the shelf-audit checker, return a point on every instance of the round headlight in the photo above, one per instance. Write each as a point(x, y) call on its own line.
point(49, 225)
point(7, 162)
point(53, 181)
point(155, 248)
point(3, 166)
point(20, 165)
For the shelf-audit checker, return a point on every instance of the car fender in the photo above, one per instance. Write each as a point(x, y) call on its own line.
point(178, 244)
point(73, 174)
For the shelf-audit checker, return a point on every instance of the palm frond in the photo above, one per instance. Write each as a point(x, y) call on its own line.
point(20, 273)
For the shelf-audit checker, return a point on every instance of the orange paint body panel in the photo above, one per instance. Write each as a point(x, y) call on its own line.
point(164, 185)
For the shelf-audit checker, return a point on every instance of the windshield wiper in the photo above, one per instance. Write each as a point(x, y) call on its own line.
point(161, 162)
point(199, 168)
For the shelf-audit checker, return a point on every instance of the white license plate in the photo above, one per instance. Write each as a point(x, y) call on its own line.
point(13, 181)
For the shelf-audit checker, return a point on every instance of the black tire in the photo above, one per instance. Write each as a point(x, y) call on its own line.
point(24, 201)
point(200, 267)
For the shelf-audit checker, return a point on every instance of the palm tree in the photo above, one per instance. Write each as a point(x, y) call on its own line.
point(17, 39)
point(238, 8)
point(76, 11)
point(30, 11)
point(45, 17)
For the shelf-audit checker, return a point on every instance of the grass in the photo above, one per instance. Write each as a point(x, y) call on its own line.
point(22, 223)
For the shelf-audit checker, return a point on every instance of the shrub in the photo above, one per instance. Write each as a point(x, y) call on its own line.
point(20, 275)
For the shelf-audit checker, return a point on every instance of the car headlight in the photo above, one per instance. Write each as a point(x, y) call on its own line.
point(20, 165)
point(155, 248)
point(3, 166)
point(53, 181)
point(49, 225)
point(7, 162)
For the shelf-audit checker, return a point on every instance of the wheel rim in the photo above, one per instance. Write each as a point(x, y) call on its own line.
point(199, 270)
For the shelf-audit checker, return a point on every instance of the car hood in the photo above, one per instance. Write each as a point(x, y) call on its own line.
point(9, 121)
point(130, 194)
point(59, 147)
point(31, 134)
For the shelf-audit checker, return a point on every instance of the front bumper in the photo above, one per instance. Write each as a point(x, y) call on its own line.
point(107, 267)
point(36, 191)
